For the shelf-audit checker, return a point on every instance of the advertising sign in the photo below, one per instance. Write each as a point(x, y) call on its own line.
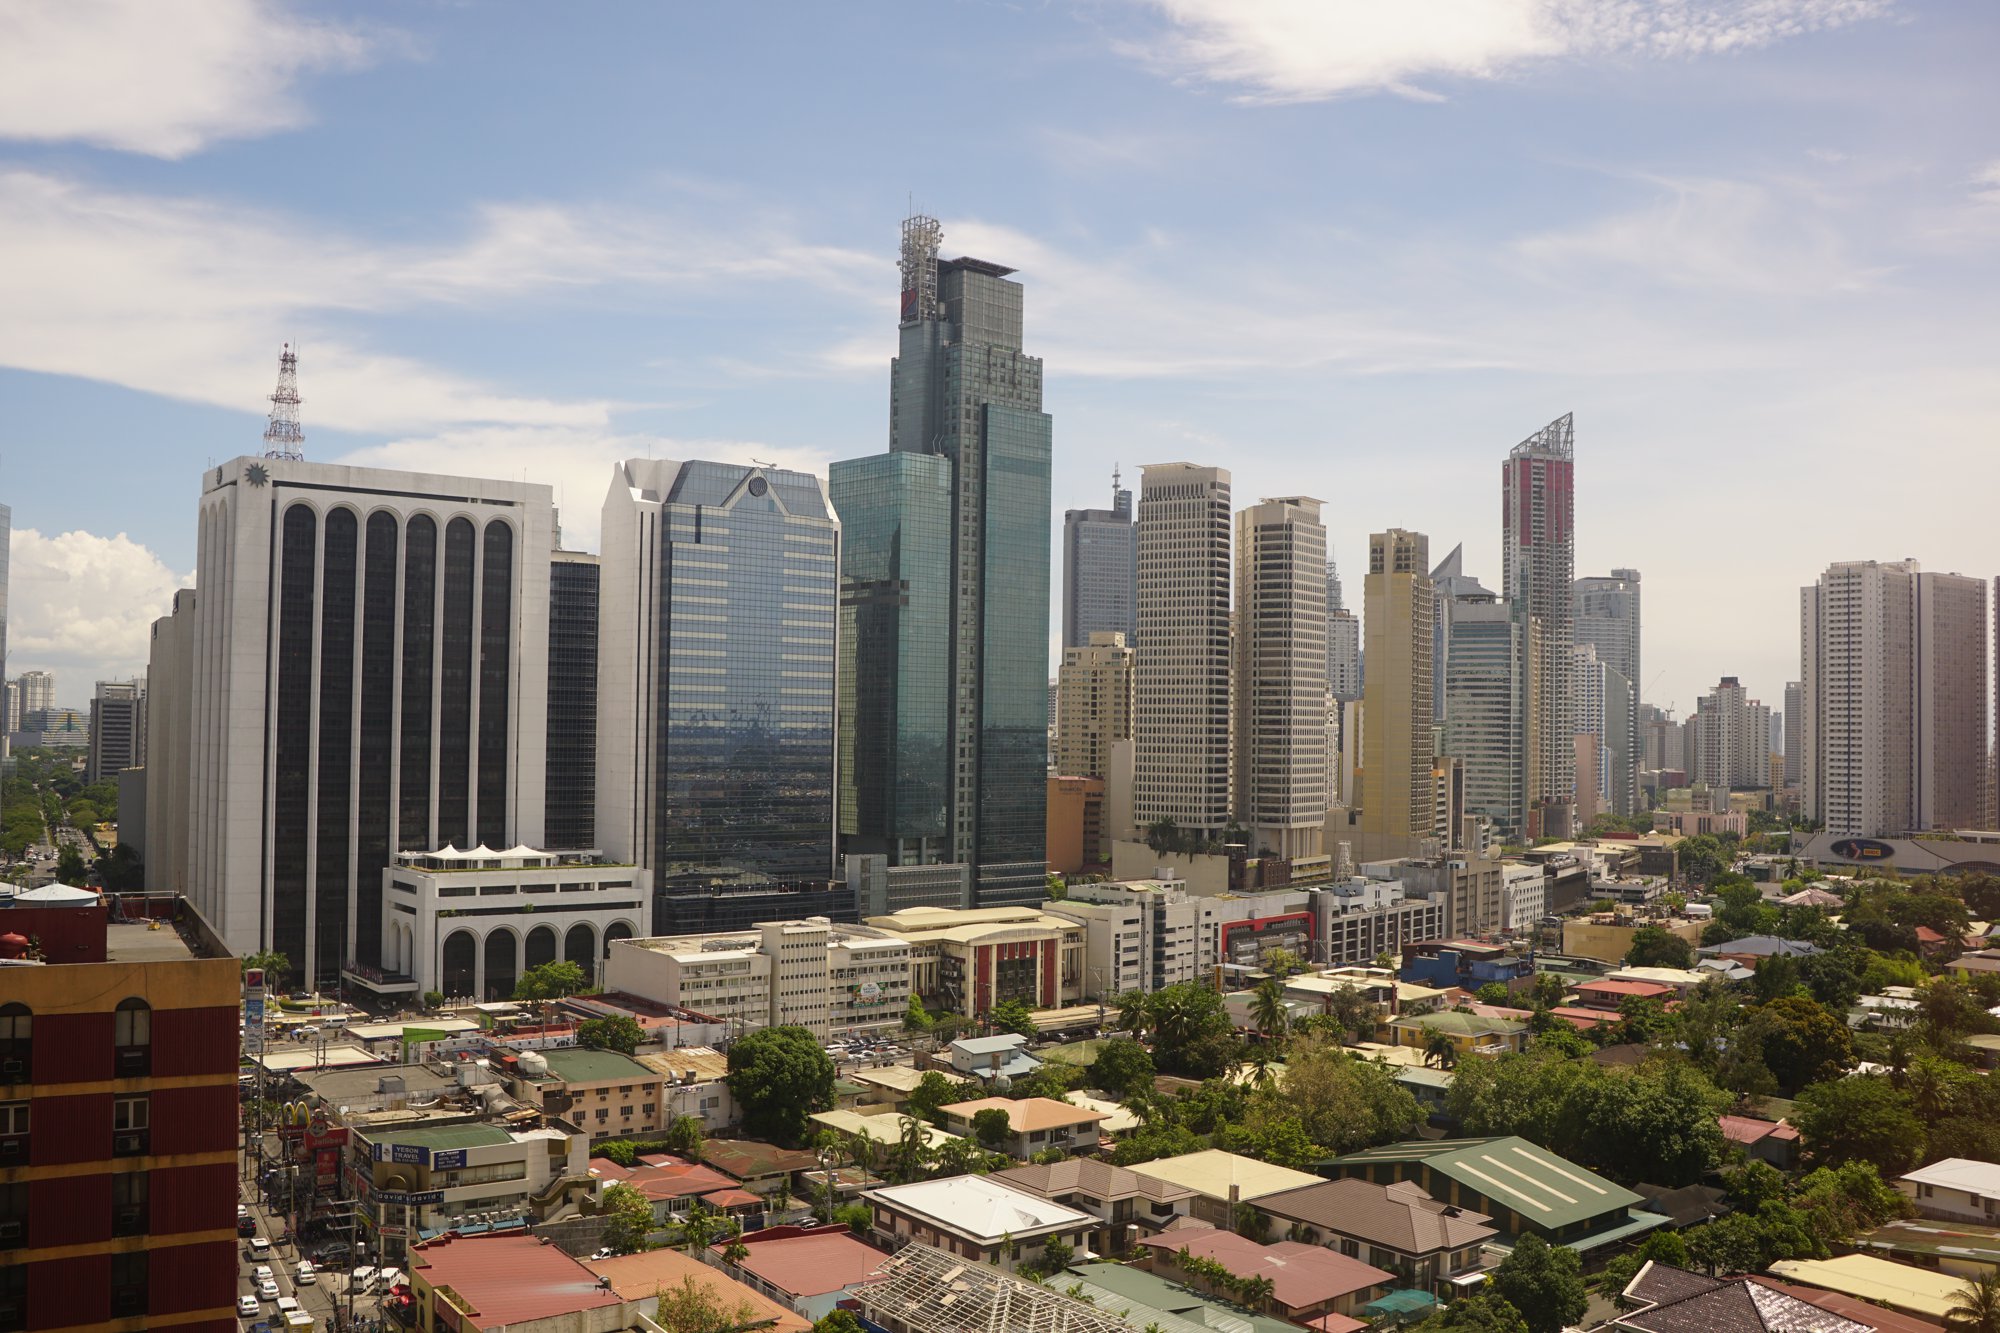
point(409, 1152)
point(416, 1199)
point(448, 1161)
point(1863, 849)
point(253, 1017)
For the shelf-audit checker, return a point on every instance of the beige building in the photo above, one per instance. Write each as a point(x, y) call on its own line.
point(1733, 738)
point(1180, 682)
point(1398, 797)
point(1093, 705)
point(1077, 836)
point(970, 960)
point(603, 1093)
point(1608, 940)
point(1282, 792)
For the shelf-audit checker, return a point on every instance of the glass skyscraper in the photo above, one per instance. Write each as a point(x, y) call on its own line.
point(719, 598)
point(962, 391)
point(570, 771)
point(1100, 571)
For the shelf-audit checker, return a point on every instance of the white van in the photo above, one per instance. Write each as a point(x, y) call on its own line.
point(388, 1278)
point(363, 1279)
point(333, 1020)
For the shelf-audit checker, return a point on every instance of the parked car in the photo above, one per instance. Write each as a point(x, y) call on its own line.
point(247, 1307)
point(268, 1289)
point(304, 1275)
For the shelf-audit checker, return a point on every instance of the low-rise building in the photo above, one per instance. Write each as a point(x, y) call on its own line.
point(1683, 980)
point(1609, 994)
point(1469, 1033)
point(426, 1178)
point(1957, 1189)
point(1221, 1180)
point(1524, 896)
point(1179, 933)
point(1127, 1205)
point(694, 1080)
point(1919, 1291)
point(640, 1278)
point(602, 1093)
point(978, 1219)
point(968, 961)
point(808, 1269)
point(1398, 1227)
point(1772, 1141)
point(1466, 964)
point(1607, 937)
point(891, 1085)
point(1362, 917)
point(927, 1289)
point(990, 1059)
point(1308, 1283)
point(472, 1284)
point(886, 1130)
point(1965, 1249)
point(1034, 1124)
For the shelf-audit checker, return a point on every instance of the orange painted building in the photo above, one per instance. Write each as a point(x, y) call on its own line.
point(1076, 825)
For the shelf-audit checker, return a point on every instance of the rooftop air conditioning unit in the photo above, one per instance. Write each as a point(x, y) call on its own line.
point(126, 1143)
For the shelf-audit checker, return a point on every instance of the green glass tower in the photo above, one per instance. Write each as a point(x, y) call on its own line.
point(967, 435)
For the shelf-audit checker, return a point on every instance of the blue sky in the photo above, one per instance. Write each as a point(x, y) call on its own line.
point(1348, 249)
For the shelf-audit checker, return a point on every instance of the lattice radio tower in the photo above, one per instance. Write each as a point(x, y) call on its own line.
point(285, 438)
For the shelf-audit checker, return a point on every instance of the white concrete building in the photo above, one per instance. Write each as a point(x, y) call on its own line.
point(1733, 739)
point(1093, 705)
point(1524, 896)
point(1362, 917)
point(470, 923)
point(1181, 703)
point(1143, 934)
point(169, 671)
point(370, 675)
point(1957, 1189)
point(1281, 774)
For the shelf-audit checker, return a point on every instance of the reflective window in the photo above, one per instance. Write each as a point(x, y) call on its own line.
point(496, 620)
point(455, 717)
point(419, 642)
point(378, 705)
point(336, 741)
point(291, 778)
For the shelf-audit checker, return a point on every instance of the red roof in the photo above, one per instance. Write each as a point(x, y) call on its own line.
point(1302, 1276)
point(1851, 1307)
point(802, 1262)
point(1925, 935)
point(1649, 990)
point(677, 1182)
point(1335, 1323)
point(1585, 1019)
point(734, 1198)
point(509, 1279)
point(1748, 1129)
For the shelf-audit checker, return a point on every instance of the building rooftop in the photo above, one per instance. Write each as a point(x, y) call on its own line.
point(1959, 1173)
point(1862, 1312)
point(1931, 1241)
point(900, 1078)
point(1301, 1275)
point(510, 1278)
point(1028, 1115)
point(751, 1159)
point(809, 1262)
point(980, 1208)
point(1213, 1173)
point(924, 1288)
point(1677, 977)
point(1118, 1117)
point(1141, 1299)
point(573, 1064)
point(880, 1128)
point(641, 1277)
point(707, 1063)
point(1093, 1177)
point(1550, 1190)
point(996, 1045)
point(439, 1138)
point(1748, 1129)
point(1918, 1291)
point(1673, 1300)
point(336, 1087)
point(1400, 1217)
point(1760, 946)
point(1624, 986)
point(1453, 1023)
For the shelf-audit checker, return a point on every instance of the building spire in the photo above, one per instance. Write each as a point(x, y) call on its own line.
point(285, 438)
point(918, 265)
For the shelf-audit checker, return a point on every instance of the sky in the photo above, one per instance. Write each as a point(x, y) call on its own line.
point(1354, 249)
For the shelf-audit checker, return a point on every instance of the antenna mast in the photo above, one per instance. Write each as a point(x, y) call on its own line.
point(285, 438)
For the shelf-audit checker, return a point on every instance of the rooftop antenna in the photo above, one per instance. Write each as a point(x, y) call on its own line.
point(285, 438)
point(1114, 483)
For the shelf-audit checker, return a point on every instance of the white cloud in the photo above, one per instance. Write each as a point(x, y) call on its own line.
point(189, 298)
point(83, 606)
point(162, 77)
point(1308, 50)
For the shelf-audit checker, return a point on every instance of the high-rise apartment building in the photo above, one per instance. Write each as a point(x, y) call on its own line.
point(1180, 683)
point(1343, 641)
point(718, 607)
point(13, 707)
point(169, 715)
point(1487, 725)
point(1894, 666)
point(1734, 730)
point(1608, 619)
point(1398, 795)
point(963, 389)
point(38, 691)
point(369, 675)
point(896, 764)
point(1538, 540)
point(570, 771)
point(6, 559)
point(1094, 705)
point(1449, 585)
point(1100, 571)
point(1606, 717)
point(117, 729)
point(1281, 778)
point(1795, 705)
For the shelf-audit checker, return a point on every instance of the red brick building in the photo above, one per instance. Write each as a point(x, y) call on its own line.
point(118, 1117)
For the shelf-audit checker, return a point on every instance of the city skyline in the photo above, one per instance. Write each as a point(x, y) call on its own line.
point(1741, 238)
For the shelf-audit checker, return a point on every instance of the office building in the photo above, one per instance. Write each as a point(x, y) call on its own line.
point(1449, 585)
point(1079, 835)
point(1608, 620)
point(1343, 641)
point(1100, 571)
point(879, 888)
point(1362, 917)
point(570, 771)
point(1180, 683)
point(969, 961)
point(1538, 540)
point(719, 597)
point(55, 729)
point(1894, 711)
point(1144, 934)
point(964, 393)
point(1604, 727)
point(38, 691)
point(169, 709)
point(1488, 727)
point(13, 707)
point(370, 675)
point(1280, 687)
point(1093, 705)
point(1398, 800)
point(118, 1128)
point(117, 729)
point(1733, 752)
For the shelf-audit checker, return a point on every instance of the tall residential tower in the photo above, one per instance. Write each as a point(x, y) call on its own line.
point(1538, 539)
point(1281, 777)
point(1180, 683)
point(1398, 794)
point(1608, 619)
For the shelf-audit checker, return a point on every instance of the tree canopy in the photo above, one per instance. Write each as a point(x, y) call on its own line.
point(1544, 1282)
point(620, 1033)
point(551, 981)
point(780, 1077)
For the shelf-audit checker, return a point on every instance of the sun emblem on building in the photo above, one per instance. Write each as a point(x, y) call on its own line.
point(256, 474)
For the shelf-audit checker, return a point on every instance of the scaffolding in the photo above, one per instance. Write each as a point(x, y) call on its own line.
point(1555, 440)
point(925, 1290)
point(919, 265)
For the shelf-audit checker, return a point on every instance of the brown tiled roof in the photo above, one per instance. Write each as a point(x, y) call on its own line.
point(1677, 1301)
point(1401, 1217)
point(747, 1159)
point(1098, 1179)
point(1302, 1276)
point(1028, 1114)
point(510, 1278)
point(1885, 1321)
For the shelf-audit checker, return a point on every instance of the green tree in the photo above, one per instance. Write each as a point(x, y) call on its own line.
point(1495, 992)
point(1192, 1034)
point(915, 1017)
point(780, 1077)
point(277, 968)
point(1729, 1245)
point(1861, 1119)
point(1338, 1102)
point(1279, 1141)
point(1978, 1307)
point(551, 981)
point(620, 1033)
point(433, 1000)
point(695, 1307)
point(1281, 962)
point(1656, 946)
point(856, 1217)
point(684, 1136)
point(992, 1127)
point(838, 1321)
point(628, 1218)
point(932, 1091)
point(69, 866)
point(1135, 1013)
point(1015, 1017)
point(1843, 1201)
point(1352, 1011)
point(1267, 1009)
point(1481, 1312)
point(1801, 1042)
point(1122, 1068)
point(1543, 1282)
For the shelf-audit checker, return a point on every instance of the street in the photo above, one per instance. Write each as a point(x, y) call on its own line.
point(317, 1298)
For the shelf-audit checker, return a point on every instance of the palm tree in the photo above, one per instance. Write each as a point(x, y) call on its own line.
point(1978, 1309)
point(1135, 1012)
point(1258, 1290)
point(1438, 1049)
point(1268, 1010)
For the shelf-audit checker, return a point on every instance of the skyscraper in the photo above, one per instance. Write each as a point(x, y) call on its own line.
point(1734, 733)
point(117, 729)
point(570, 773)
point(1398, 796)
point(1538, 541)
point(169, 716)
point(1795, 705)
point(1894, 667)
point(1487, 726)
point(369, 675)
point(718, 605)
point(1281, 777)
point(1180, 683)
point(6, 559)
point(38, 691)
point(962, 389)
point(1608, 619)
point(1100, 571)
point(1095, 705)
point(1343, 641)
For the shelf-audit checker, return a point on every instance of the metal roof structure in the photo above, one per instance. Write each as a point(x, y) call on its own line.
point(1539, 1186)
point(926, 1290)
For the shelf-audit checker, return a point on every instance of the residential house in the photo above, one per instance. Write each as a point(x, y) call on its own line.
point(1307, 1282)
point(755, 1165)
point(1035, 1124)
point(1965, 1249)
point(1222, 1180)
point(886, 1130)
point(1397, 1227)
point(1469, 1033)
point(1922, 1292)
point(640, 1278)
point(1126, 1204)
point(671, 1184)
point(491, 1282)
point(1609, 995)
point(1957, 1189)
point(891, 1085)
point(807, 1269)
point(1752, 948)
point(695, 1081)
point(1674, 1300)
point(977, 1219)
point(1772, 1141)
point(991, 1058)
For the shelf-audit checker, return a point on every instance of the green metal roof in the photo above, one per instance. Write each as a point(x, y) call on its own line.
point(1932, 1239)
point(575, 1065)
point(1405, 1301)
point(445, 1136)
point(1550, 1191)
point(1454, 1023)
point(1140, 1298)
